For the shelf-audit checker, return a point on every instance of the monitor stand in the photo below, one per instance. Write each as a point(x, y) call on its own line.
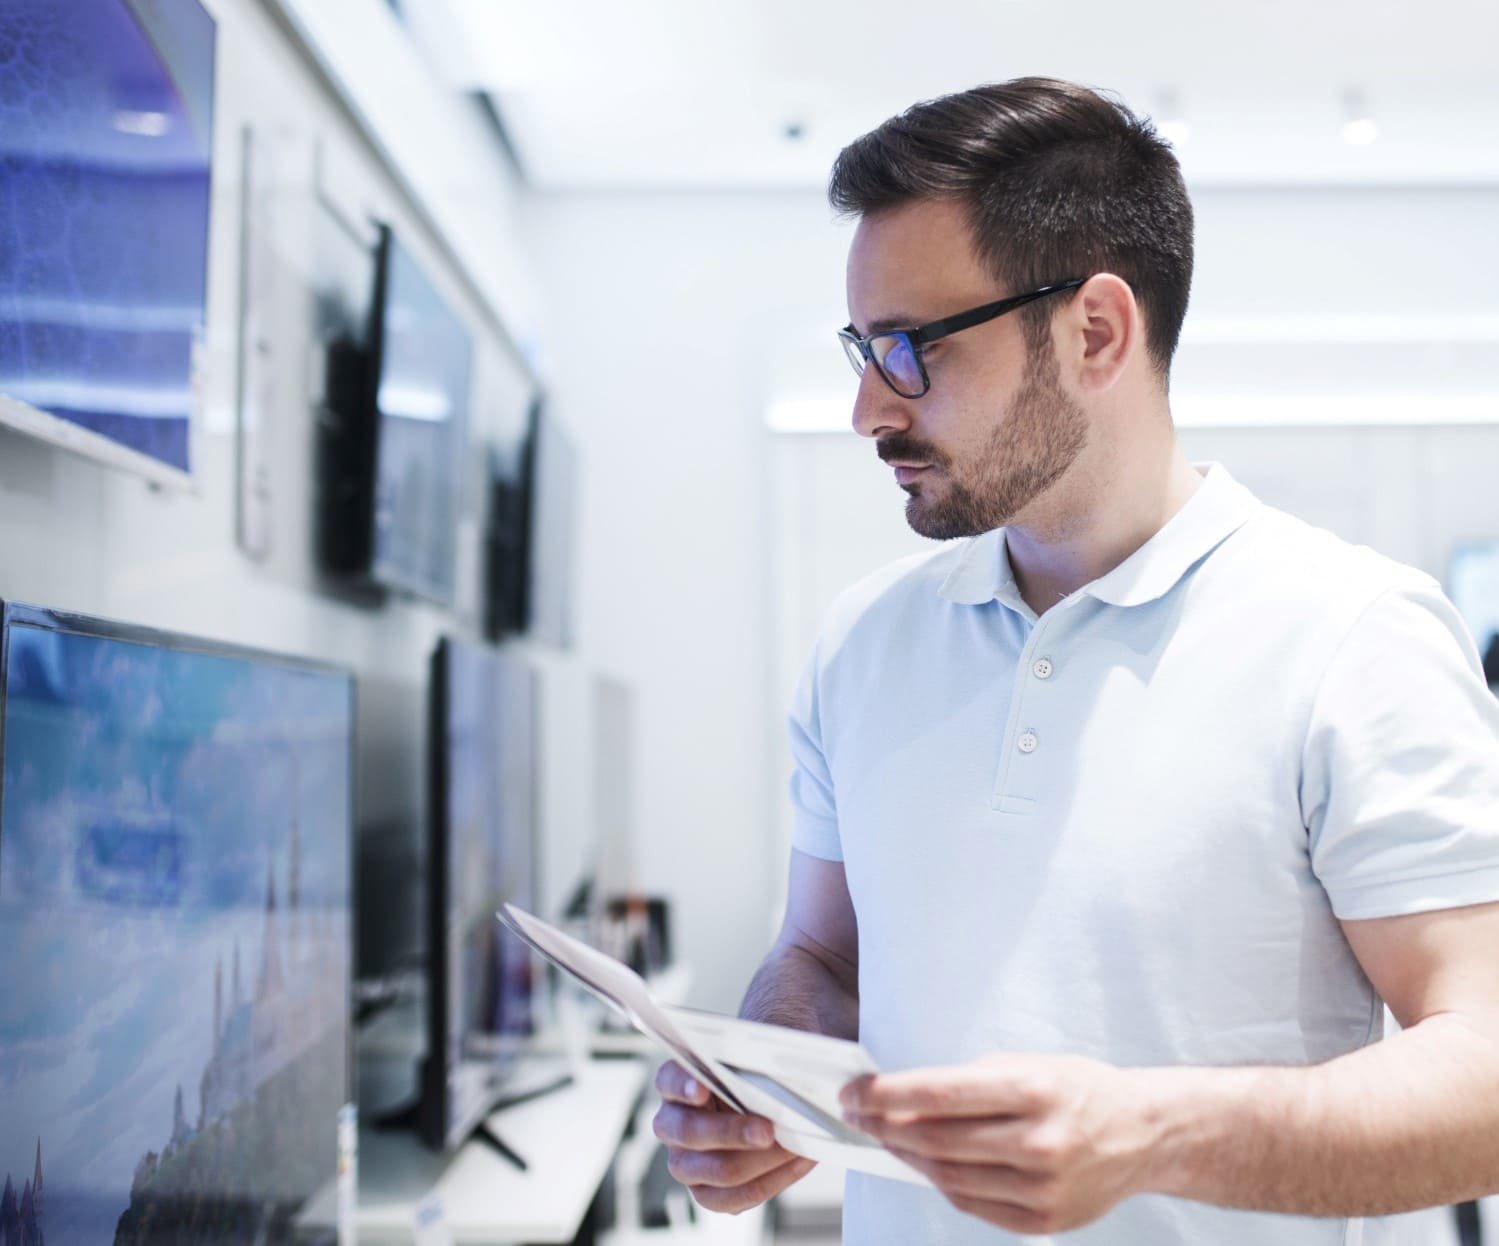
point(485, 1133)
point(529, 1078)
point(408, 1119)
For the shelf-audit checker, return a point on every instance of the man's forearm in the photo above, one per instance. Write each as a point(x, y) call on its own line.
point(805, 991)
point(1406, 1123)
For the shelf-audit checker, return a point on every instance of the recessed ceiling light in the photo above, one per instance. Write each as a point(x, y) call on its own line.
point(1359, 126)
point(1175, 132)
point(146, 124)
point(1173, 125)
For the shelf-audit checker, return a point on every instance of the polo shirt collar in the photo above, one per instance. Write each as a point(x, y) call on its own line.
point(1212, 514)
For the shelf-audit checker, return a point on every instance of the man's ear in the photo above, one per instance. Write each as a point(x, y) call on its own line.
point(1102, 331)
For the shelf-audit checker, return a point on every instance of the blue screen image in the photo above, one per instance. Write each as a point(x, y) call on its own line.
point(106, 111)
point(174, 914)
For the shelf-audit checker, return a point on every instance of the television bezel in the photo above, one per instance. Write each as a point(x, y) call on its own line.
point(435, 1125)
point(35, 422)
point(508, 541)
point(13, 613)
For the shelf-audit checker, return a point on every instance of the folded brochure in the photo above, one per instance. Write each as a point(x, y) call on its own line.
point(790, 1077)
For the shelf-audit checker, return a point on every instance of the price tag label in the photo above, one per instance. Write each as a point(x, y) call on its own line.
point(348, 1174)
point(431, 1223)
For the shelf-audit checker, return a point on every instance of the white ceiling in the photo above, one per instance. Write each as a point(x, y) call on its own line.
point(700, 93)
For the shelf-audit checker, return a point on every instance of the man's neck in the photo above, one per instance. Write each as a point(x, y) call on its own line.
point(1094, 526)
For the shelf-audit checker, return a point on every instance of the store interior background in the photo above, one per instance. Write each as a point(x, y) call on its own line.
point(637, 205)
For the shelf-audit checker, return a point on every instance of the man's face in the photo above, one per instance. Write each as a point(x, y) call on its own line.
point(995, 430)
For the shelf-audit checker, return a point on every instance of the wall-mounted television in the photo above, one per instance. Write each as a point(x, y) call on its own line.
point(1473, 586)
point(483, 981)
point(532, 535)
point(106, 161)
point(175, 913)
point(393, 435)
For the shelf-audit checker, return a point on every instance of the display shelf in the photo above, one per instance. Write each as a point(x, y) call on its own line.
point(568, 1139)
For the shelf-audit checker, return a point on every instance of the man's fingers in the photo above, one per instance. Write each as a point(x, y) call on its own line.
point(962, 1090)
point(997, 1140)
point(760, 1190)
point(676, 1085)
point(725, 1170)
point(699, 1130)
point(992, 1182)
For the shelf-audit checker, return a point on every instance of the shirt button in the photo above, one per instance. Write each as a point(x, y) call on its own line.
point(1027, 742)
point(1043, 668)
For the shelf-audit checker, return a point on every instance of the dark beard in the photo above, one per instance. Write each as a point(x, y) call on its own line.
point(1040, 437)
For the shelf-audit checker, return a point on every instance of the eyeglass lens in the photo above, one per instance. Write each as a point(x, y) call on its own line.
point(898, 361)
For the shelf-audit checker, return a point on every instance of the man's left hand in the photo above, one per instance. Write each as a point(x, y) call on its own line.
point(1032, 1143)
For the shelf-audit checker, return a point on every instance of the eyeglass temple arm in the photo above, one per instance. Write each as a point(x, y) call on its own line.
point(989, 311)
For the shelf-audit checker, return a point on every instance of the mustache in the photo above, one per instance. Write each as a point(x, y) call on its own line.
point(907, 449)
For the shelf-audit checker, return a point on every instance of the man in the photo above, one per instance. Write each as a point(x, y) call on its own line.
point(1117, 821)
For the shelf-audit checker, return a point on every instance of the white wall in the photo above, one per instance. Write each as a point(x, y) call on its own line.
point(661, 316)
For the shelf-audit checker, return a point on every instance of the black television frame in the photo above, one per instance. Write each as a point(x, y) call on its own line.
point(19, 613)
point(510, 532)
point(433, 1109)
point(350, 426)
point(515, 561)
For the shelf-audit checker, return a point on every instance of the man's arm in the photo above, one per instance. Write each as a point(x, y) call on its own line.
point(1042, 1144)
point(1409, 1122)
point(810, 978)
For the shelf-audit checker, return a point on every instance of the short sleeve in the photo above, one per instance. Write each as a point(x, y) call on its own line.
point(1400, 768)
point(814, 812)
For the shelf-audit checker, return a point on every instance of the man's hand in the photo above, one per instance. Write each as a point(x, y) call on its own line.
point(1034, 1144)
point(728, 1161)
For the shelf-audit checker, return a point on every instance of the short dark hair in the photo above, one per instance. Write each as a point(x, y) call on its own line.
point(1060, 181)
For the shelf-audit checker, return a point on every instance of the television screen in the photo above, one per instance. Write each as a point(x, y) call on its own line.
point(553, 497)
point(421, 393)
point(174, 909)
point(481, 994)
point(1473, 585)
point(532, 516)
point(106, 128)
point(507, 534)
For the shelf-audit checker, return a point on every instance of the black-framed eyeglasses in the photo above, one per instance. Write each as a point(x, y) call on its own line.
point(896, 353)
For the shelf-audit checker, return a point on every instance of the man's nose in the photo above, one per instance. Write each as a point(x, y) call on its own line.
point(878, 409)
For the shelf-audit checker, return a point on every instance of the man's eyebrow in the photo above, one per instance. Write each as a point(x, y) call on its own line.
point(900, 320)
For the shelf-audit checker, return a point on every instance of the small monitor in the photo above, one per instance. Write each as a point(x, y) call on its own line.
point(175, 916)
point(105, 158)
point(392, 435)
point(533, 533)
point(553, 530)
point(482, 989)
point(423, 355)
point(1473, 586)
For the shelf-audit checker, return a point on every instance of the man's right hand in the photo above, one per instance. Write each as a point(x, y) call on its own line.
point(727, 1160)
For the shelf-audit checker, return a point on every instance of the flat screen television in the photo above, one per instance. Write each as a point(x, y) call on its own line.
point(532, 535)
point(106, 161)
point(174, 909)
point(1473, 585)
point(482, 989)
point(396, 428)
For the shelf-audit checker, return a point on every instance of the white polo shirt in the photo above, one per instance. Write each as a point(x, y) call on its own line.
point(1127, 829)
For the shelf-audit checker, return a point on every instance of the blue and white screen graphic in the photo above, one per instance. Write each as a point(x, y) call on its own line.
point(174, 941)
point(106, 116)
